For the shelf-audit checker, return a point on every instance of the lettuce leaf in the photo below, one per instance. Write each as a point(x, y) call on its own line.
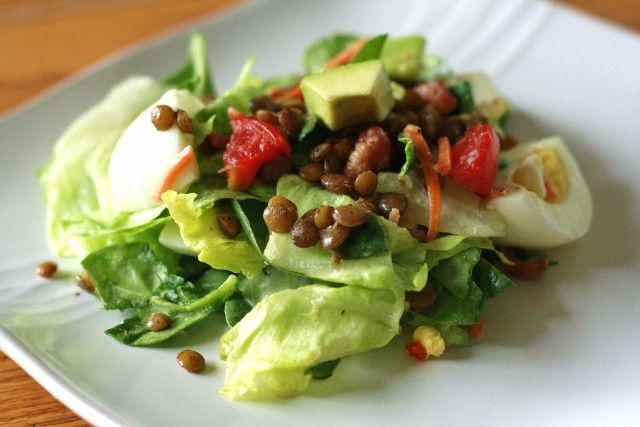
point(371, 49)
point(195, 75)
point(322, 50)
point(200, 232)
point(81, 214)
point(266, 356)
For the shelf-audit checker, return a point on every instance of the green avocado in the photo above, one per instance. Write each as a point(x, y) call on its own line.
point(349, 95)
point(403, 57)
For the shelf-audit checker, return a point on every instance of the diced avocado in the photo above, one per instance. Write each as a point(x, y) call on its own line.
point(349, 95)
point(398, 91)
point(486, 97)
point(403, 57)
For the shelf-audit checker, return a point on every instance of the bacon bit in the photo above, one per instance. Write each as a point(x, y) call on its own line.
point(182, 162)
point(346, 55)
point(476, 330)
point(551, 196)
point(416, 350)
point(430, 177)
point(444, 156)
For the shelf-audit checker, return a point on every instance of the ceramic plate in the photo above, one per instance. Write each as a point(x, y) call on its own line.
point(563, 350)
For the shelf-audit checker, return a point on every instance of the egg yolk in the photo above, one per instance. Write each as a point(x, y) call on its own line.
point(555, 177)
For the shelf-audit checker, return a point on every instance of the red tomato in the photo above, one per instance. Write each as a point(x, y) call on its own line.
point(474, 159)
point(436, 93)
point(253, 143)
point(416, 350)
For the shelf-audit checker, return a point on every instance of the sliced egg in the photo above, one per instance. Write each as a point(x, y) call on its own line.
point(547, 202)
point(171, 238)
point(144, 155)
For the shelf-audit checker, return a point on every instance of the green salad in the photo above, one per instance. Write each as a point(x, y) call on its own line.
point(376, 196)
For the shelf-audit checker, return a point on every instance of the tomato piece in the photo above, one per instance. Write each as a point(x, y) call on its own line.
point(474, 159)
point(416, 350)
point(252, 144)
point(436, 93)
point(477, 329)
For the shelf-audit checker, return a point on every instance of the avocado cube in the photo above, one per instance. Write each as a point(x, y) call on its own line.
point(403, 57)
point(349, 95)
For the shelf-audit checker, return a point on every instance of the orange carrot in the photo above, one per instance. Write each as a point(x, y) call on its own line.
point(444, 156)
point(182, 162)
point(346, 55)
point(430, 177)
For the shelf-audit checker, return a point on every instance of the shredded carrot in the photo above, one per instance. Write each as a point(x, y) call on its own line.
point(289, 92)
point(345, 56)
point(430, 177)
point(182, 162)
point(444, 156)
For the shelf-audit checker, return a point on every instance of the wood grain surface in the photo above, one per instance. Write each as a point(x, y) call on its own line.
point(44, 41)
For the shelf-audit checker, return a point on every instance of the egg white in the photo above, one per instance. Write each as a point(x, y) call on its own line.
point(143, 155)
point(530, 221)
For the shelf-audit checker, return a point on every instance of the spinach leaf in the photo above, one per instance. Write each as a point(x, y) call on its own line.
point(235, 309)
point(454, 335)
point(269, 281)
point(371, 49)
point(491, 280)
point(323, 370)
point(317, 54)
point(365, 240)
point(409, 153)
point(195, 75)
point(313, 131)
point(455, 273)
point(462, 91)
point(249, 213)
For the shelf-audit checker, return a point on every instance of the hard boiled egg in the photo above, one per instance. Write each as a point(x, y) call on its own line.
point(547, 202)
point(143, 156)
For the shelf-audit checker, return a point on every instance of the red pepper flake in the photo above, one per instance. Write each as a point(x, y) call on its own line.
point(417, 350)
point(476, 330)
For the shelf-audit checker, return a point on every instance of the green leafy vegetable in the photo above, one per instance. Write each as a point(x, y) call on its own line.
point(491, 280)
point(409, 153)
point(324, 370)
point(249, 213)
point(200, 232)
point(195, 75)
point(365, 241)
point(454, 335)
point(462, 91)
point(371, 49)
point(435, 68)
point(265, 355)
point(455, 273)
point(235, 309)
point(317, 54)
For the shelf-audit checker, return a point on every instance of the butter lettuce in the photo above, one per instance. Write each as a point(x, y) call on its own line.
point(265, 355)
point(200, 232)
point(81, 214)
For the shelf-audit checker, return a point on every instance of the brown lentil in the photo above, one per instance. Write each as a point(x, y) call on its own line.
point(350, 215)
point(191, 360)
point(453, 128)
point(366, 183)
point(387, 201)
point(291, 120)
point(218, 140)
point(158, 322)
point(334, 236)
point(274, 169)
point(319, 152)
point(472, 120)
point(508, 141)
point(418, 234)
point(262, 103)
point(323, 217)
point(228, 224)
point(304, 233)
point(342, 149)
point(83, 280)
point(394, 215)
point(332, 164)
point(280, 214)
point(430, 122)
point(336, 259)
point(267, 116)
point(163, 117)
point(311, 172)
point(412, 100)
point(423, 299)
point(337, 183)
point(365, 204)
point(184, 122)
point(47, 269)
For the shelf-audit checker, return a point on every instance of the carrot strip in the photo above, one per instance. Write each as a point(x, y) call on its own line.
point(444, 156)
point(345, 56)
point(182, 162)
point(431, 179)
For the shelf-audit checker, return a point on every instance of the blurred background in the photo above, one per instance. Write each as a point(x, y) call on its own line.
point(44, 41)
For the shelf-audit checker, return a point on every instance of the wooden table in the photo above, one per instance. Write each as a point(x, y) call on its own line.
point(43, 41)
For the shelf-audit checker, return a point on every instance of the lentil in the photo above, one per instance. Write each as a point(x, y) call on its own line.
point(184, 122)
point(273, 170)
point(304, 234)
point(366, 183)
point(387, 201)
point(228, 224)
point(291, 120)
point(280, 214)
point(158, 322)
point(334, 236)
point(263, 102)
point(350, 215)
point(337, 183)
point(218, 140)
point(163, 117)
point(319, 152)
point(47, 269)
point(311, 172)
point(423, 299)
point(191, 360)
point(83, 280)
point(418, 234)
point(267, 116)
point(323, 217)
point(342, 149)
point(365, 204)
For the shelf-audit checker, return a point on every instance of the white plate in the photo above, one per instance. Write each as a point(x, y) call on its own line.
point(564, 350)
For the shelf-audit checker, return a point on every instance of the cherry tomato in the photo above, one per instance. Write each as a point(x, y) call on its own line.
point(252, 144)
point(436, 93)
point(474, 159)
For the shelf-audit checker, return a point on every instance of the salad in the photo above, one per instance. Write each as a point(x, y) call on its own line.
point(377, 195)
